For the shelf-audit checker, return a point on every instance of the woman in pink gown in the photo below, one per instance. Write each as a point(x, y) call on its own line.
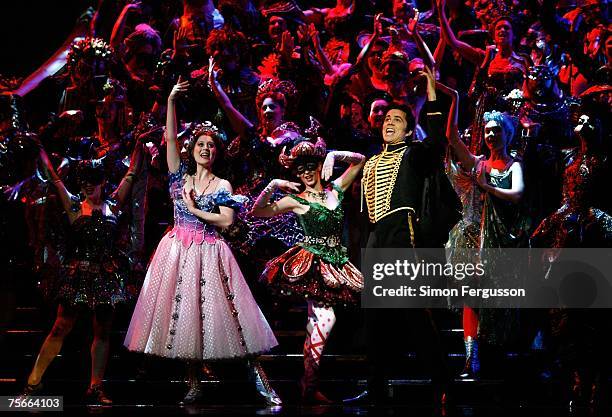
point(195, 304)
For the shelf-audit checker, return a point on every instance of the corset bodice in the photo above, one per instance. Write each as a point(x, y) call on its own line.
point(188, 227)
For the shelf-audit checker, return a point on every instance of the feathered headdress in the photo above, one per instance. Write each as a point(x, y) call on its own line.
point(309, 146)
point(274, 87)
point(88, 50)
point(304, 149)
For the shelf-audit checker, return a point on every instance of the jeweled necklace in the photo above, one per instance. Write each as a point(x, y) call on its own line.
point(317, 195)
point(212, 178)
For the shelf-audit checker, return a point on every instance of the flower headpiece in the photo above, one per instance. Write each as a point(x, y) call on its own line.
point(274, 86)
point(205, 128)
point(89, 49)
point(304, 149)
point(308, 146)
point(491, 11)
point(90, 171)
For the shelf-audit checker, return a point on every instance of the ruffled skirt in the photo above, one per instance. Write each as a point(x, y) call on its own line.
point(299, 272)
point(575, 228)
point(88, 283)
point(248, 231)
point(195, 304)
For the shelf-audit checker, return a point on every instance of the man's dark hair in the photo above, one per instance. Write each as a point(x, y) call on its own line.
point(410, 123)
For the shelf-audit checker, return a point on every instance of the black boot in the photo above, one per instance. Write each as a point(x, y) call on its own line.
point(30, 391)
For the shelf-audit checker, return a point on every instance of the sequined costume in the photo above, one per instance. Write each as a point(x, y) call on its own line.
point(255, 160)
point(94, 272)
point(317, 268)
point(488, 222)
point(195, 303)
point(580, 221)
point(466, 233)
point(578, 335)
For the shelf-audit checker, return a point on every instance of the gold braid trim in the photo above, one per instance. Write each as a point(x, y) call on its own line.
point(411, 226)
point(379, 176)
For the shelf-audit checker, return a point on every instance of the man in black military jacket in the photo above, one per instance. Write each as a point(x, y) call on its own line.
point(411, 204)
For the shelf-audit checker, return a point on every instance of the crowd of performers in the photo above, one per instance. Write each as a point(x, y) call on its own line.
point(290, 134)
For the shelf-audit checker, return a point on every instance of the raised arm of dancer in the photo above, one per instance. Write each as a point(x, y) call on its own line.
point(413, 30)
point(263, 207)
point(438, 54)
point(224, 218)
point(122, 192)
point(311, 34)
point(241, 124)
point(173, 156)
point(365, 51)
point(356, 161)
point(117, 36)
point(461, 152)
point(472, 54)
point(51, 175)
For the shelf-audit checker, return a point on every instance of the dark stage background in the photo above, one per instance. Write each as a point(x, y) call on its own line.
point(31, 30)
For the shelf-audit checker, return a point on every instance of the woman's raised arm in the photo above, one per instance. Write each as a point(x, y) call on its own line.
point(472, 54)
point(173, 156)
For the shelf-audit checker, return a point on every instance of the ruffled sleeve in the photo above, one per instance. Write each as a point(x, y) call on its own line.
point(113, 206)
point(75, 203)
point(224, 198)
point(176, 177)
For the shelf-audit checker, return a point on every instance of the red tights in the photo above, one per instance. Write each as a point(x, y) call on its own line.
point(470, 322)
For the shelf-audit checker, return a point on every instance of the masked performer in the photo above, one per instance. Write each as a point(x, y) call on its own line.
point(195, 304)
point(93, 274)
point(317, 268)
point(90, 63)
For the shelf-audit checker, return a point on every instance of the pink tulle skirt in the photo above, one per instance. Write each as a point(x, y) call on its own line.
point(195, 304)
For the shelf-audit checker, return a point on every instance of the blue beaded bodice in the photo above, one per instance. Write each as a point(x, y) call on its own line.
point(189, 228)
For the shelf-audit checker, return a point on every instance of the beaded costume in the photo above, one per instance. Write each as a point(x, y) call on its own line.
point(488, 222)
point(195, 303)
point(255, 160)
point(579, 222)
point(489, 88)
point(318, 267)
point(94, 272)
